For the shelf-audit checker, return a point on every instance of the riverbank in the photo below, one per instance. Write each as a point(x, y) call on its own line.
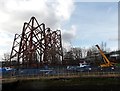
point(75, 83)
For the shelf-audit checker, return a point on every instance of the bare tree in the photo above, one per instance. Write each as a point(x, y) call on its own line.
point(77, 53)
point(84, 52)
point(6, 59)
point(103, 46)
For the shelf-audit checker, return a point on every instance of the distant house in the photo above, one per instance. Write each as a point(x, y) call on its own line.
point(115, 57)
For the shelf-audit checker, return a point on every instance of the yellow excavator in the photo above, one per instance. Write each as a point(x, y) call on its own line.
point(107, 62)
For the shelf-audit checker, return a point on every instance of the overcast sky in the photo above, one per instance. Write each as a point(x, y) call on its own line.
point(83, 24)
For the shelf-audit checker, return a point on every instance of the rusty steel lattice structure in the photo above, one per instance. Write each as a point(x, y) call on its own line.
point(37, 45)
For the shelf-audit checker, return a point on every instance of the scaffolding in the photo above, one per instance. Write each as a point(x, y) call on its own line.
point(37, 45)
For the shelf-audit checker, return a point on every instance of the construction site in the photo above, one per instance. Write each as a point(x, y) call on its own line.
point(37, 62)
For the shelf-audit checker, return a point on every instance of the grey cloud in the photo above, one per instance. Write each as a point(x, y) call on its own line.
point(17, 18)
point(68, 37)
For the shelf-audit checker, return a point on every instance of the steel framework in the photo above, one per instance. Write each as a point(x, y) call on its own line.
point(37, 45)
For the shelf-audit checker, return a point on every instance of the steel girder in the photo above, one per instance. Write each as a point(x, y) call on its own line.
point(37, 45)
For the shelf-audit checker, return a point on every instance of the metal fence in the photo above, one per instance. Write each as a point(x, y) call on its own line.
point(58, 72)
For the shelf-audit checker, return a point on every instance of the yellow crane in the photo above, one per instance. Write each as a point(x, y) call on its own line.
point(107, 62)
